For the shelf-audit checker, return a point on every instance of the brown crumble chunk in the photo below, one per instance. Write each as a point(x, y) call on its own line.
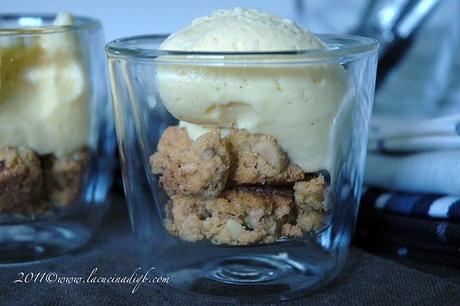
point(258, 160)
point(64, 176)
point(310, 194)
point(21, 179)
point(197, 168)
point(310, 221)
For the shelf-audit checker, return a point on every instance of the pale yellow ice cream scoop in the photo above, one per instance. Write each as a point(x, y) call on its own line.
point(294, 102)
point(44, 91)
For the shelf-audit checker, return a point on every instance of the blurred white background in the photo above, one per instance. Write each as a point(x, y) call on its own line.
point(126, 18)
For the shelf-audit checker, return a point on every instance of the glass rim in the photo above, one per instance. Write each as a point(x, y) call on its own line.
point(351, 46)
point(83, 23)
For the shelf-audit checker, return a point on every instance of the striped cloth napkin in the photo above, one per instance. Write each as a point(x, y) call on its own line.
point(413, 204)
point(410, 206)
point(406, 225)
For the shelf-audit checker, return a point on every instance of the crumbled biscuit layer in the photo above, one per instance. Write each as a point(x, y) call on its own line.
point(197, 168)
point(258, 160)
point(237, 217)
point(309, 199)
point(64, 176)
point(21, 178)
point(309, 195)
point(240, 159)
point(239, 189)
point(32, 184)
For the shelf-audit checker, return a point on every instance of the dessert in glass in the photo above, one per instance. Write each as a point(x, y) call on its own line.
point(56, 143)
point(242, 141)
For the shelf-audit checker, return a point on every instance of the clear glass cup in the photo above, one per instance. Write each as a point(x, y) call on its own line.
point(57, 139)
point(207, 260)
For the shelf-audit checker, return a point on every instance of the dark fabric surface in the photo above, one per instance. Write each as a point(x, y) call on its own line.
point(428, 239)
point(367, 279)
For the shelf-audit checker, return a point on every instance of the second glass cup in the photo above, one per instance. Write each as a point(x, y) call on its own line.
point(221, 209)
point(57, 138)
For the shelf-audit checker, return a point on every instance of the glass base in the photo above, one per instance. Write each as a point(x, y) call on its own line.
point(249, 269)
point(273, 272)
point(19, 243)
point(27, 237)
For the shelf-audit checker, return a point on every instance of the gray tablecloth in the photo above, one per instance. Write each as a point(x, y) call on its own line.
point(367, 279)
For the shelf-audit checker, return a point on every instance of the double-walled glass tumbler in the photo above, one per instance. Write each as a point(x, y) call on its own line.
point(243, 171)
point(56, 134)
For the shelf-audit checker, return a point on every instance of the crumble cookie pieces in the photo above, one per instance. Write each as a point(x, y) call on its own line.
point(309, 198)
point(258, 159)
point(237, 217)
point(197, 168)
point(290, 230)
point(263, 146)
point(195, 174)
point(174, 138)
point(257, 209)
point(184, 217)
point(64, 176)
point(173, 142)
point(310, 194)
point(311, 221)
point(21, 179)
point(230, 230)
